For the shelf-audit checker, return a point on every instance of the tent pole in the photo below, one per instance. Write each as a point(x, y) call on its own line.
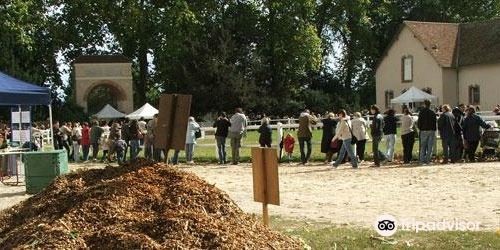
point(20, 124)
point(51, 129)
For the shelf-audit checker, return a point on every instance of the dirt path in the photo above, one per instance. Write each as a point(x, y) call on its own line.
point(345, 196)
point(356, 197)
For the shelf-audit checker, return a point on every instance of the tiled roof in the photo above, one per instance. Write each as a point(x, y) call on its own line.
point(479, 42)
point(440, 39)
point(454, 44)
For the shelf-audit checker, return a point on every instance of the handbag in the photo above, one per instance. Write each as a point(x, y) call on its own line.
point(335, 144)
point(197, 134)
point(354, 140)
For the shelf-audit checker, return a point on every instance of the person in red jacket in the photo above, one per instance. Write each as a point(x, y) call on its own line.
point(85, 141)
point(289, 143)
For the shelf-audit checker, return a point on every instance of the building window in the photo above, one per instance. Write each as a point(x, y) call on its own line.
point(474, 95)
point(389, 95)
point(407, 68)
point(427, 90)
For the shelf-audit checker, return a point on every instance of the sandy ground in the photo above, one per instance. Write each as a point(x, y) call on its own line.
point(469, 193)
point(346, 196)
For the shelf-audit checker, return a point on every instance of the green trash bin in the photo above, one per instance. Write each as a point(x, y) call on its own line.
point(42, 167)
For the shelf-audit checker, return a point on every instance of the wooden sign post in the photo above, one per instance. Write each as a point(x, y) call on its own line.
point(265, 179)
point(170, 131)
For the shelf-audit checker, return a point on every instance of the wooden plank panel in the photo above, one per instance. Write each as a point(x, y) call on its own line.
point(259, 184)
point(163, 127)
point(272, 177)
point(180, 122)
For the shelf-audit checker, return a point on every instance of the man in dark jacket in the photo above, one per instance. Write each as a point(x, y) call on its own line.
point(446, 125)
point(459, 114)
point(126, 135)
point(306, 123)
point(377, 127)
point(427, 127)
point(472, 133)
point(222, 125)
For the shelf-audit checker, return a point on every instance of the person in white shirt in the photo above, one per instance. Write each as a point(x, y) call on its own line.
point(345, 135)
point(236, 132)
point(360, 131)
point(76, 137)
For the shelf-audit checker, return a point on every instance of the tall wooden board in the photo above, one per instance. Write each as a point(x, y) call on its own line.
point(170, 131)
point(265, 175)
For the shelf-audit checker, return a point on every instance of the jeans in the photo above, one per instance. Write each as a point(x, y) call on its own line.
point(157, 154)
point(408, 142)
point(346, 148)
point(76, 151)
point(360, 149)
point(104, 154)
point(470, 151)
point(390, 141)
point(95, 150)
point(175, 158)
point(427, 140)
point(134, 149)
point(305, 155)
point(120, 156)
point(377, 155)
point(235, 146)
point(86, 149)
point(65, 144)
point(450, 148)
point(148, 149)
point(221, 148)
point(127, 146)
point(189, 152)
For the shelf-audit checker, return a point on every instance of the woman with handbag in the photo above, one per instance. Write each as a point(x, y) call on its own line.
point(360, 131)
point(407, 135)
point(345, 134)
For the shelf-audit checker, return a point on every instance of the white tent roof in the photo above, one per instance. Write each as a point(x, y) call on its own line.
point(108, 112)
point(146, 111)
point(413, 95)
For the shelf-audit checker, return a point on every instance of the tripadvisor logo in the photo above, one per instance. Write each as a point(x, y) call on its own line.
point(385, 225)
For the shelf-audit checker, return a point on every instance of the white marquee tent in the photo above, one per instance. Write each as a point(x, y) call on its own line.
point(108, 112)
point(146, 111)
point(413, 95)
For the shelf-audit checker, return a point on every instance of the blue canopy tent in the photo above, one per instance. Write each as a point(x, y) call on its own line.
point(14, 92)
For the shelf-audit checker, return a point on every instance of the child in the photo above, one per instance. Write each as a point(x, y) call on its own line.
point(105, 148)
point(119, 149)
point(289, 143)
point(265, 132)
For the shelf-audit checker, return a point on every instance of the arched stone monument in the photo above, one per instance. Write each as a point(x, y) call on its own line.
point(105, 79)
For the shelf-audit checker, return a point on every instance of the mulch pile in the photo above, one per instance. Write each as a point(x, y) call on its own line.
point(141, 205)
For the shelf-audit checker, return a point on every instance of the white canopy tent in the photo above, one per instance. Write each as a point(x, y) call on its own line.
point(108, 112)
point(146, 111)
point(413, 95)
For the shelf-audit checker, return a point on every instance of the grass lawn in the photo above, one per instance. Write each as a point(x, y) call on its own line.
point(205, 149)
point(326, 236)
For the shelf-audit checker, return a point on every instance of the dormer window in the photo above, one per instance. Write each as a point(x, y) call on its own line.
point(407, 68)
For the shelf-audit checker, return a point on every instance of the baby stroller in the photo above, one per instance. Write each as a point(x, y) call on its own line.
point(490, 141)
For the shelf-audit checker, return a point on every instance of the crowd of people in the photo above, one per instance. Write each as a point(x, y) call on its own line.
point(343, 134)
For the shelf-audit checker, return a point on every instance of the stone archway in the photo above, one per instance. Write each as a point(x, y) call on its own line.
point(101, 93)
point(100, 79)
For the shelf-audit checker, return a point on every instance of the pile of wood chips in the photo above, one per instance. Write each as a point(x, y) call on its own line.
point(140, 205)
